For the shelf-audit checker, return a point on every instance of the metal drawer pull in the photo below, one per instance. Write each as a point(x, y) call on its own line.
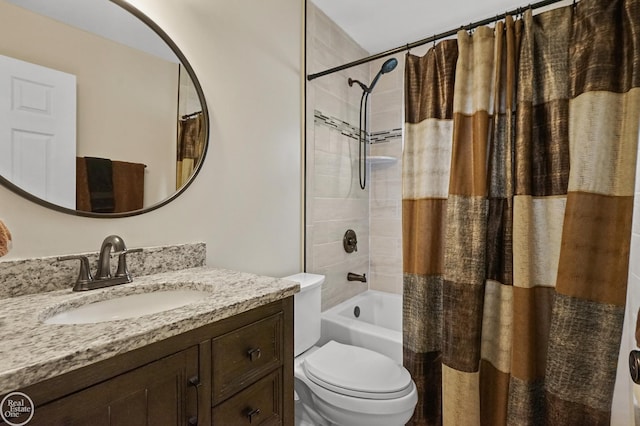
point(254, 354)
point(252, 413)
point(195, 382)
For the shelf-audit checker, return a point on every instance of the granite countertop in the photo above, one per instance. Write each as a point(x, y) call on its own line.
point(31, 351)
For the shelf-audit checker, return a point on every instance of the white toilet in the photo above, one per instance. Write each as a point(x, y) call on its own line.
point(339, 384)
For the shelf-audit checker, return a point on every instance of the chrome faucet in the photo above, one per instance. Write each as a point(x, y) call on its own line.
point(103, 277)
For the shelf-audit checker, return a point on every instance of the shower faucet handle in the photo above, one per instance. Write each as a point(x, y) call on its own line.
point(350, 241)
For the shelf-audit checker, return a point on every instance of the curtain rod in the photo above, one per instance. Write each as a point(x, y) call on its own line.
point(434, 38)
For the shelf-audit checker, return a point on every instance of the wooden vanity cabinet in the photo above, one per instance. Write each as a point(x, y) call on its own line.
point(155, 394)
point(234, 372)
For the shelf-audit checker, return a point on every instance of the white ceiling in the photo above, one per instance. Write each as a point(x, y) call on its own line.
point(102, 18)
point(380, 25)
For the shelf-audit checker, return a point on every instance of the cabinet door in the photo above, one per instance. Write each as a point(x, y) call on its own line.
point(155, 394)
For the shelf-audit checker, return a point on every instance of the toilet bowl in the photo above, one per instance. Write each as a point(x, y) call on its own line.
point(345, 385)
point(352, 386)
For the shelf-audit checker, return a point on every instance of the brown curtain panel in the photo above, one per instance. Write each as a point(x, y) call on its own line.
point(515, 280)
point(190, 147)
point(588, 310)
point(541, 178)
point(426, 164)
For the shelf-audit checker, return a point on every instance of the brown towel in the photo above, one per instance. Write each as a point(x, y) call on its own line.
point(83, 199)
point(100, 180)
point(5, 239)
point(128, 186)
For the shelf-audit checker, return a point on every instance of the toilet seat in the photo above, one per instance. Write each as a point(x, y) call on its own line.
point(357, 372)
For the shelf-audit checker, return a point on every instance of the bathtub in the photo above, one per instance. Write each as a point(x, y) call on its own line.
point(372, 320)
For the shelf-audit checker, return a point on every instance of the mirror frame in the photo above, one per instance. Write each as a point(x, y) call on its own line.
point(205, 113)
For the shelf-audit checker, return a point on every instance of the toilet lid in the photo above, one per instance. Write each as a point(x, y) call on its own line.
point(355, 371)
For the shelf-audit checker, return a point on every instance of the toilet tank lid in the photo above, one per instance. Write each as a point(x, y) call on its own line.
point(307, 281)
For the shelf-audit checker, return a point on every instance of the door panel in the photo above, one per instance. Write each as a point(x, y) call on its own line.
point(38, 130)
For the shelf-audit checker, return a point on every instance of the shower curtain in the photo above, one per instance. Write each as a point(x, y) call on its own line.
point(518, 180)
point(190, 147)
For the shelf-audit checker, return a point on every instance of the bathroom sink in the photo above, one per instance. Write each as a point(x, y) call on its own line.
point(130, 306)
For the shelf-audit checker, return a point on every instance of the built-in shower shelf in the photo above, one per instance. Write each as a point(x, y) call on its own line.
point(381, 159)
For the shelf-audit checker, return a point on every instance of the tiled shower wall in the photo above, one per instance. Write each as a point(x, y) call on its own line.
point(385, 190)
point(334, 200)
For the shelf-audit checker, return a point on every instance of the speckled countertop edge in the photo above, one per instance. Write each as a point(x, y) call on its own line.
point(31, 351)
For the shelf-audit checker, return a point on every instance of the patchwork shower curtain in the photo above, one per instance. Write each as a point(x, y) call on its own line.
point(518, 175)
point(190, 147)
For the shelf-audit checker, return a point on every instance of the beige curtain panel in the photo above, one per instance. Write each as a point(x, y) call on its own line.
point(518, 182)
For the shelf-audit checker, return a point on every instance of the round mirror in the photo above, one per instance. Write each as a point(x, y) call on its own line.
point(100, 113)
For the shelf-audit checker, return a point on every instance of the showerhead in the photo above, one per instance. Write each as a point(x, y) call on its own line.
point(388, 66)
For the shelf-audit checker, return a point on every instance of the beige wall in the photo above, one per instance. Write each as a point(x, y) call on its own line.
point(246, 202)
point(124, 96)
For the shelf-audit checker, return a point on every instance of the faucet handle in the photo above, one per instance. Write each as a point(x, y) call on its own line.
point(84, 276)
point(122, 270)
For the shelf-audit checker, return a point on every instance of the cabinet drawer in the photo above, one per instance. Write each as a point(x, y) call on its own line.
point(259, 404)
point(244, 355)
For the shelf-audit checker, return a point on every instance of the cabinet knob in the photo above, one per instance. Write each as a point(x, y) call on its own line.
point(194, 381)
point(254, 354)
point(252, 413)
point(193, 421)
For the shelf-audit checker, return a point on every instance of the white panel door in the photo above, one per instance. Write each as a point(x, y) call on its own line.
point(38, 130)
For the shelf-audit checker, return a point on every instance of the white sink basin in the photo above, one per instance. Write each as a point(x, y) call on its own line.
point(131, 306)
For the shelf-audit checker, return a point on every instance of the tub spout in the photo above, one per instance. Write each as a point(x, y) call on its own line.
point(356, 277)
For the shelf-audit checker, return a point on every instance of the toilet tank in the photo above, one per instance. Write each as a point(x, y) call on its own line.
point(306, 311)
